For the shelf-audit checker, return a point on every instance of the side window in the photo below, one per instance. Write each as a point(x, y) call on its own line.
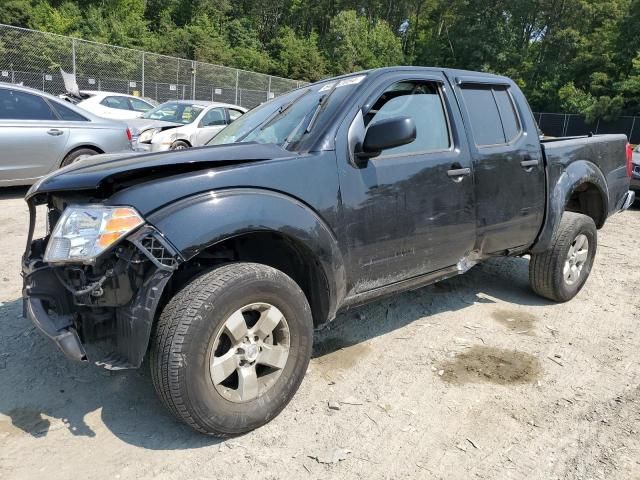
point(234, 114)
point(15, 105)
point(139, 105)
point(422, 102)
point(484, 116)
point(67, 114)
point(493, 117)
point(510, 122)
point(214, 118)
point(120, 103)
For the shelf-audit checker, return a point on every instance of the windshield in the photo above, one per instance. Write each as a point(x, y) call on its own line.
point(175, 112)
point(287, 119)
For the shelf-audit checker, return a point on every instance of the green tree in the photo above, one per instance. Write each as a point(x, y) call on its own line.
point(354, 43)
point(296, 57)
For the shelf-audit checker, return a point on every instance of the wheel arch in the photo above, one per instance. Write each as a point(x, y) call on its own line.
point(261, 226)
point(581, 188)
point(87, 146)
point(183, 140)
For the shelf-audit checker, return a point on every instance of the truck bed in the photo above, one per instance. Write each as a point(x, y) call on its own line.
point(603, 151)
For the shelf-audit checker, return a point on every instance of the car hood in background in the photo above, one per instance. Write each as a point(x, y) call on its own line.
point(98, 171)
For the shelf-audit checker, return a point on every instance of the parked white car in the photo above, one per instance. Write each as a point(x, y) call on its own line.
point(180, 124)
point(117, 106)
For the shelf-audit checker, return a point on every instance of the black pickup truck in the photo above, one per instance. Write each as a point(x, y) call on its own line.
point(221, 260)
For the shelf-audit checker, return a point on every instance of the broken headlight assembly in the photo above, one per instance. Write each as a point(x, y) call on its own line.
point(83, 232)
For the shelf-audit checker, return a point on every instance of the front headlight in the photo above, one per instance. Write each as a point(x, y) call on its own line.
point(84, 232)
point(147, 135)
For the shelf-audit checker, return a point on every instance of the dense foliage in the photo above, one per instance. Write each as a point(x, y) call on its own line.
point(579, 56)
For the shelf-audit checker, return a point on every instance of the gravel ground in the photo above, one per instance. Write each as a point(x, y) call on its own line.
point(474, 377)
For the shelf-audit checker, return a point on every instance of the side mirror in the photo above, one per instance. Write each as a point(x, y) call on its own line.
point(387, 133)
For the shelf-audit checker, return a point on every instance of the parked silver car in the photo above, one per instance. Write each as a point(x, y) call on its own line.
point(40, 133)
point(180, 124)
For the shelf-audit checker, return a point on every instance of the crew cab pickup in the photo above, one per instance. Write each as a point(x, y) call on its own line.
point(221, 260)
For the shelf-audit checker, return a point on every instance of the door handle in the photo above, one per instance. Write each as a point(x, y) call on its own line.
point(458, 173)
point(55, 132)
point(528, 163)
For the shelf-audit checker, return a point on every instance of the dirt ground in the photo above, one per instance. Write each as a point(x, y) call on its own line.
point(474, 377)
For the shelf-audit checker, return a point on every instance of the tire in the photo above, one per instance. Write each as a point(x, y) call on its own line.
point(547, 269)
point(195, 320)
point(77, 155)
point(179, 145)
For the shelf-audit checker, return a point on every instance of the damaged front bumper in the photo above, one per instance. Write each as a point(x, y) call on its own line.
point(114, 301)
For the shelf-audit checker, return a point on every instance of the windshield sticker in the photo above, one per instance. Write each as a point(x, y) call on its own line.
point(343, 83)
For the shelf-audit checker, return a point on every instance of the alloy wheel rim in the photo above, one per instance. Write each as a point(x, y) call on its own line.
point(576, 259)
point(250, 352)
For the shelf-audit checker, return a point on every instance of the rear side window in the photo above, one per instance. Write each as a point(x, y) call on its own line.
point(234, 114)
point(139, 105)
point(16, 105)
point(67, 114)
point(510, 122)
point(492, 114)
point(121, 103)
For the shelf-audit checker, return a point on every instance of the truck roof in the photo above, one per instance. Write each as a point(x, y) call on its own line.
point(451, 72)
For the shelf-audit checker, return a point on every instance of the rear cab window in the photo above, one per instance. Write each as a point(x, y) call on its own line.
point(492, 113)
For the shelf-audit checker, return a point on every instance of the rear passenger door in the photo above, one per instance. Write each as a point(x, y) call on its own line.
point(509, 176)
point(32, 140)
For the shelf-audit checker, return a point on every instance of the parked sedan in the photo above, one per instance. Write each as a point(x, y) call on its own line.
point(40, 133)
point(112, 105)
point(181, 124)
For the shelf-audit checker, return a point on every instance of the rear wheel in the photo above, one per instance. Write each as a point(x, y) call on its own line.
point(231, 348)
point(560, 273)
point(77, 155)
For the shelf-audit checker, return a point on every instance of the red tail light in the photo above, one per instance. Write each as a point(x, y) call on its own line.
point(129, 136)
point(629, 157)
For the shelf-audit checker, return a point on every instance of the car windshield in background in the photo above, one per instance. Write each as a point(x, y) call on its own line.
point(287, 119)
point(174, 112)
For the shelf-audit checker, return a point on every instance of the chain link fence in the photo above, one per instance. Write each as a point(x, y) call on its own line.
point(35, 58)
point(569, 125)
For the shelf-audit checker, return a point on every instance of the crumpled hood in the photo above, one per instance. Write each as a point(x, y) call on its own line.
point(139, 125)
point(95, 172)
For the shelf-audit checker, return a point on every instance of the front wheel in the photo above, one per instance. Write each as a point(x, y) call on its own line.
point(560, 272)
point(179, 145)
point(231, 348)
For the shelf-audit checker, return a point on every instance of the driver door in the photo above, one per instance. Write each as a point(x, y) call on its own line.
point(410, 210)
point(212, 122)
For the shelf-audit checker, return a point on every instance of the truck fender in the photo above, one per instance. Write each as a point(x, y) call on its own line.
point(195, 223)
point(561, 187)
